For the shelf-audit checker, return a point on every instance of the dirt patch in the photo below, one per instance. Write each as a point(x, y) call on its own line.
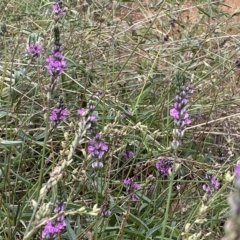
point(188, 11)
point(192, 14)
point(233, 5)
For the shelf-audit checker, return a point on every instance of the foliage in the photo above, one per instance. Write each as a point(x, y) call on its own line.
point(94, 133)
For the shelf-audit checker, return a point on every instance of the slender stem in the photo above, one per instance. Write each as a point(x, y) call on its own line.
point(42, 160)
point(96, 223)
point(169, 198)
point(32, 217)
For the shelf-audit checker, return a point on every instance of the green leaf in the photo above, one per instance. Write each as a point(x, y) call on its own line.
point(134, 219)
point(203, 11)
point(135, 233)
point(8, 143)
point(3, 114)
point(71, 233)
point(112, 236)
point(137, 221)
point(111, 229)
point(153, 230)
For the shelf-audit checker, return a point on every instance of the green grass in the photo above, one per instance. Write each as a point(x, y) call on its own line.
point(122, 56)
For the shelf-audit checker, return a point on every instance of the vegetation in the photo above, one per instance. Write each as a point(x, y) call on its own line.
point(119, 120)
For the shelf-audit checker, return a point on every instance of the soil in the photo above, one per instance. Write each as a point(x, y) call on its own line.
point(233, 5)
point(188, 11)
point(193, 14)
point(138, 10)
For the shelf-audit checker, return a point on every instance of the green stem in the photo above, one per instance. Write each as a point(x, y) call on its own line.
point(168, 199)
point(42, 169)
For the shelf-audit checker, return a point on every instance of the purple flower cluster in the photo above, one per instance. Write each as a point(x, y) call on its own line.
point(96, 147)
point(57, 7)
point(237, 175)
point(53, 227)
point(56, 62)
point(151, 188)
point(163, 165)
point(181, 117)
point(212, 185)
point(81, 111)
point(58, 114)
point(131, 186)
point(105, 212)
point(91, 118)
point(128, 154)
point(178, 112)
point(34, 49)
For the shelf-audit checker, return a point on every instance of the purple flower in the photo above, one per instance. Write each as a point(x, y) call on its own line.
point(187, 121)
point(237, 175)
point(163, 165)
point(178, 112)
point(127, 183)
point(215, 183)
point(131, 186)
point(134, 197)
point(91, 118)
point(81, 111)
point(57, 8)
point(150, 188)
point(174, 113)
point(91, 106)
point(105, 212)
point(136, 185)
point(128, 154)
point(237, 170)
point(56, 62)
point(181, 117)
point(96, 147)
point(34, 49)
point(212, 185)
point(53, 227)
point(58, 114)
point(49, 230)
point(59, 207)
